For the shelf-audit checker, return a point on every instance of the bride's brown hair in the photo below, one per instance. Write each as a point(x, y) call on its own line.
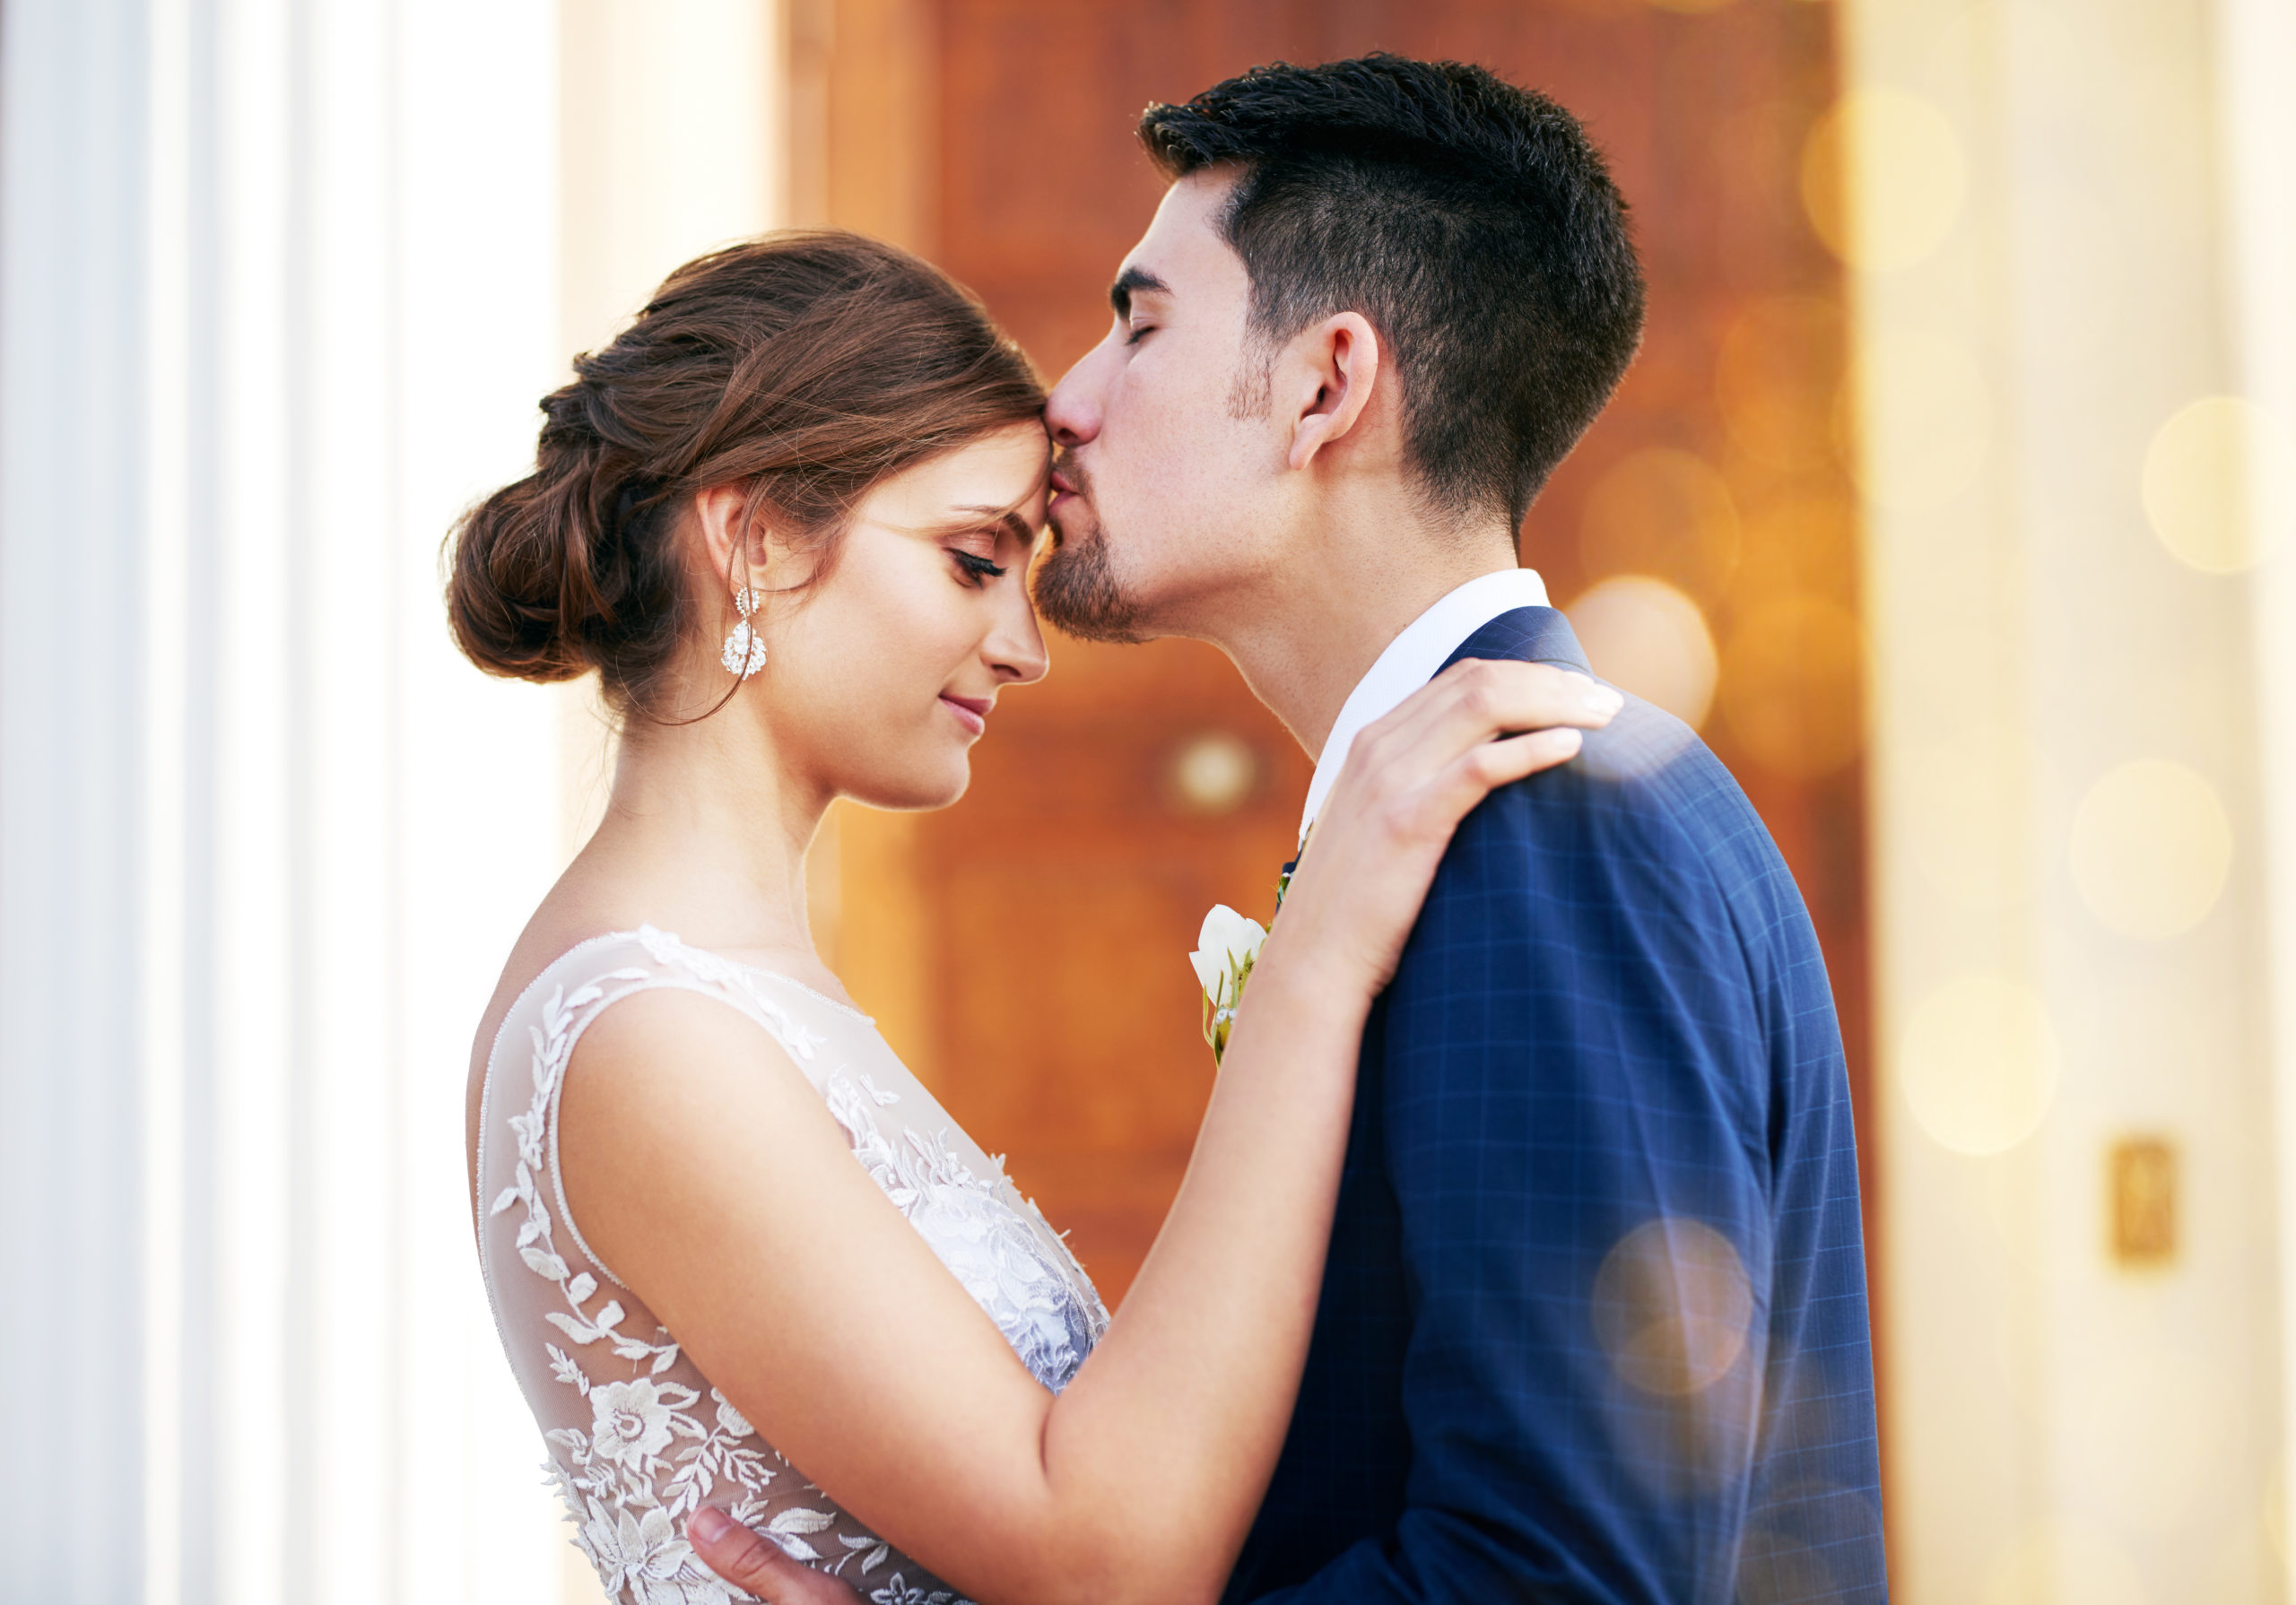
point(807, 367)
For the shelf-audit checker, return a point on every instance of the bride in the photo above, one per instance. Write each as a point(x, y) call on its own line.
point(787, 516)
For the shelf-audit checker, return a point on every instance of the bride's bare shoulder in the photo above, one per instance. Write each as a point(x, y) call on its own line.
point(575, 911)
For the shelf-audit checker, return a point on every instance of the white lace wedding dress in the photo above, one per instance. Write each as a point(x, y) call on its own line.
point(638, 1438)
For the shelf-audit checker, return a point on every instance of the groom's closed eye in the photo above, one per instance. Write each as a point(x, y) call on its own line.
point(1131, 282)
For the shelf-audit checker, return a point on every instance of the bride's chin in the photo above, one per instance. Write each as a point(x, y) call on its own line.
point(915, 792)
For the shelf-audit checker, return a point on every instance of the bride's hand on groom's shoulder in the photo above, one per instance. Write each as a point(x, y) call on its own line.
point(1408, 781)
point(755, 1564)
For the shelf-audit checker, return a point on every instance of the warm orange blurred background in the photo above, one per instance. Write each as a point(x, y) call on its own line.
point(1705, 525)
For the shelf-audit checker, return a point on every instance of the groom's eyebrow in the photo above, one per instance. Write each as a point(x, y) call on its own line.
point(1131, 280)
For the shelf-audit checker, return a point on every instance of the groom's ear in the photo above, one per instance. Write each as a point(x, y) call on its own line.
point(1325, 380)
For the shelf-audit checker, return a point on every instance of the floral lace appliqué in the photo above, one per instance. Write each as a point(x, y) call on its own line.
point(652, 1446)
point(991, 1239)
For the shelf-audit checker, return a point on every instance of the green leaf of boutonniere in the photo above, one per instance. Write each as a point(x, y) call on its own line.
point(1226, 950)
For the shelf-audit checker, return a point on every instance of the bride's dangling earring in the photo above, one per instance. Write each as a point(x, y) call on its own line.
point(744, 653)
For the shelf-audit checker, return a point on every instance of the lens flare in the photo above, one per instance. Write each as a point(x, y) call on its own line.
point(1884, 179)
point(1645, 637)
point(1673, 1307)
point(1664, 513)
point(1979, 1064)
point(1778, 381)
point(2219, 481)
point(1793, 685)
point(2150, 849)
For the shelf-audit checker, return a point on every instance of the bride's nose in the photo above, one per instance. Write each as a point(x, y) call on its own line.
point(1015, 650)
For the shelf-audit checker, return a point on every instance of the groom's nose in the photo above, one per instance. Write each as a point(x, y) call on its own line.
point(1074, 410)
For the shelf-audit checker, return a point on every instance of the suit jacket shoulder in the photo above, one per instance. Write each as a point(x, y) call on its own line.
point(1596, 1280)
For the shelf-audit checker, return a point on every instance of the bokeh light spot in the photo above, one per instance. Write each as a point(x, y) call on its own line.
point(1792, 685)
point(1783, 1553)
point(1803, 541)
point(1928, 421)
point(1979, 1064)
point(1663, 513)
point(1645, 637)
point(1884, 179)
point(1673, 1307)
point(2150, 849)
point(1777, 380)
point(2219, 477)
point(1213, 773)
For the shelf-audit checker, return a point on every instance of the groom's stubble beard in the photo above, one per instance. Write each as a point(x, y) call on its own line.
point(1077, 588)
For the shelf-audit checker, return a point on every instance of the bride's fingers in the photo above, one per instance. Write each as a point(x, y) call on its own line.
point(1473, 774)
point(1472, 701)
point(1460, 710)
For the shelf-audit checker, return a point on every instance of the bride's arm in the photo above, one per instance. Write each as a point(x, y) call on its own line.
point(707, 1173)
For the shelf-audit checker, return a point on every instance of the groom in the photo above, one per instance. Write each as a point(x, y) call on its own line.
point(1593, 1326)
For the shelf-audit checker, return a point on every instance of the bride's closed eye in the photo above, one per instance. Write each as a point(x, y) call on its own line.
point(978, 570)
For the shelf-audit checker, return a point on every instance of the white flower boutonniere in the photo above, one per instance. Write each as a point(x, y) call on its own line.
point(1225, 951)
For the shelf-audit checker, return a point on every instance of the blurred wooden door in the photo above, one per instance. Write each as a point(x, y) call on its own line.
point(1027, 947)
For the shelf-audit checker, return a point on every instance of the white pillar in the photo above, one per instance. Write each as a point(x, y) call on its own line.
point(2256, 47)
point(72, 577)
point(278, 291)
point(2063, 1426)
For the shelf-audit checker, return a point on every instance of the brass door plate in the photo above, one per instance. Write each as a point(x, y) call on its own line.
point(2142, 1200)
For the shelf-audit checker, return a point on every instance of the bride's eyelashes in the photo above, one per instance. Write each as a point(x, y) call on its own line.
point(978, 570)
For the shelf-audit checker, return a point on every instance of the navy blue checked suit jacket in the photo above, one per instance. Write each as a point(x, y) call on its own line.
point(1593, 1326)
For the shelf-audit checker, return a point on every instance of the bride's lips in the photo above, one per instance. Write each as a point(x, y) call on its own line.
point(972, 712)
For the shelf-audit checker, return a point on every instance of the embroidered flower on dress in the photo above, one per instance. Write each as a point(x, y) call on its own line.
point(651, 1457)
point(644, 1554)
point(991, 1240)
point(629, 1421)
point(731, 1421)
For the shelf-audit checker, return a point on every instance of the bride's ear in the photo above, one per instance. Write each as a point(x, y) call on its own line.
point(739, 548)
point(1329, 373)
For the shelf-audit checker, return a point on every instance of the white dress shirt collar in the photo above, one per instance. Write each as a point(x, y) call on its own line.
point(1410, 661)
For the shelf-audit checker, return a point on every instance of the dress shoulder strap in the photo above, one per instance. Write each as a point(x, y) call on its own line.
point(547, 1022)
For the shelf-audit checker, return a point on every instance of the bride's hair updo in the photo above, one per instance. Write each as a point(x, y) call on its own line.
point(807, 367)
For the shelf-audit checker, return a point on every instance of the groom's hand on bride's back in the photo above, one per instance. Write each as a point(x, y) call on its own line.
point(756, 1564)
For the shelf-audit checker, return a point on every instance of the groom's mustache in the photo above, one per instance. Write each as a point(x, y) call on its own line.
point(1068, 475)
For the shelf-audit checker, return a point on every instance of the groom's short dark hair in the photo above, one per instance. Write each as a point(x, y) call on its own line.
point(1473, 222)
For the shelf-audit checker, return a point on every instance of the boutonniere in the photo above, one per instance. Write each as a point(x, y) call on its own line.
point(1225, 951)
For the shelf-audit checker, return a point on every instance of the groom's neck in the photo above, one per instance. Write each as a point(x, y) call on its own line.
point(1303, 646)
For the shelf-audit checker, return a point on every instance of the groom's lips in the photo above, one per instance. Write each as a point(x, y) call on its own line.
point(972, 712)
